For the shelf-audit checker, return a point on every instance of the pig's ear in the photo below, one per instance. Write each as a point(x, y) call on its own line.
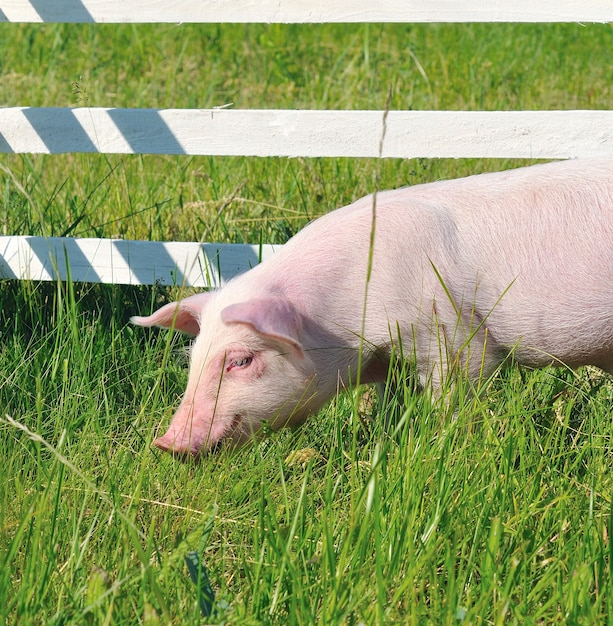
point(272, 316)
point(183, 315)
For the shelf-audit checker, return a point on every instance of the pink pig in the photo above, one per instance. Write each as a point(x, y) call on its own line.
point(463, 271)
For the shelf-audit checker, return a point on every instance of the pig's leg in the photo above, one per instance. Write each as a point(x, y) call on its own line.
point(395, 393)
point(459, 367)
point(442, 357)
point(416, 362)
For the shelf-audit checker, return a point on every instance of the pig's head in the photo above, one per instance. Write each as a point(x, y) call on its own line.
point(247, 367)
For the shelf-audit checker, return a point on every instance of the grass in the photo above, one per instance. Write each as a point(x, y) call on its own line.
point(501, 515)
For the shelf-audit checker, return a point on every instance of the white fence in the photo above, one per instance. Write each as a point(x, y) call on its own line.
point(299, 11)
point(282, 133)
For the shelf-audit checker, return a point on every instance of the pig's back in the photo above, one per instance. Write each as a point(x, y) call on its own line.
point(536, 246)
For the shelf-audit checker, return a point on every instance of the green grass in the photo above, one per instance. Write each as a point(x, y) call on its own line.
point(501, 515)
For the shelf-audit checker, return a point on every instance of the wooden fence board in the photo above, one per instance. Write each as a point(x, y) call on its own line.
point(293, 133)
point(124, 262)
point(305, 11)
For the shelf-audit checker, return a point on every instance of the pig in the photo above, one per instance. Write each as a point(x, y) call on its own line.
point(456, 273)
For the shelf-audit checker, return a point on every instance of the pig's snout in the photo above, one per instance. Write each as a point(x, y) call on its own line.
point(183, 440)
point(177, 446)
point(191, 438)
point(189, 453)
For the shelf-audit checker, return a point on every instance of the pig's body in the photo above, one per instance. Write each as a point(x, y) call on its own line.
point(520, 260)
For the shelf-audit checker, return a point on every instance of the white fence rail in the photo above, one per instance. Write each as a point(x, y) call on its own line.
point(123, 262)
point(283, 133)
point(264, 133)
point(306, 11)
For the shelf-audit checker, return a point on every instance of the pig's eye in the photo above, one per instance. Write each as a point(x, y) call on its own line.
point(242, 361)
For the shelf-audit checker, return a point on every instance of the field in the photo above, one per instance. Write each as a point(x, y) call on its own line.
point(500, 515)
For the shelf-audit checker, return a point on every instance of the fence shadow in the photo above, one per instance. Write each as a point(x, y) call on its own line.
point(56, 12)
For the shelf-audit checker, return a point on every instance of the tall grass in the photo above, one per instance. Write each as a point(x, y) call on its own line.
point(501, 514)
